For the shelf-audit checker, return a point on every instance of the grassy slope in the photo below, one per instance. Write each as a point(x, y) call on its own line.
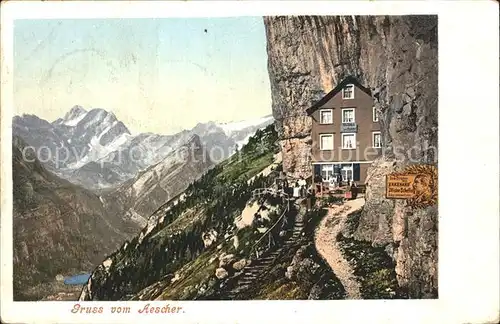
point(212, 202)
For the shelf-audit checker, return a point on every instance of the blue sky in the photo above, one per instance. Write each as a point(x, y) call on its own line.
point(156, 75)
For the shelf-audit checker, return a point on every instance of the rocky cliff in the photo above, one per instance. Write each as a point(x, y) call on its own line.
point(59, 228)
point(396, 58)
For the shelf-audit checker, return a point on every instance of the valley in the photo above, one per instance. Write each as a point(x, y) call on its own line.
point(59, 228)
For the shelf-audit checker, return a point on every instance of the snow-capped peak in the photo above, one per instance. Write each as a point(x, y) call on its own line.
point(74, 116)
point(240, 125)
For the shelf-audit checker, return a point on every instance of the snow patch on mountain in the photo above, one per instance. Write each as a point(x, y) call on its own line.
point(73, 116)
point(107, 130)
point(244, 141)
point(97, 152)
point(231, 127)
point(76, 120)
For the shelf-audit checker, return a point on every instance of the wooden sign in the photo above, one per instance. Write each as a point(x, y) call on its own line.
point(400, 186)
point(417, 184)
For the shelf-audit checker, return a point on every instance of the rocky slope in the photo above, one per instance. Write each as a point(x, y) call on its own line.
point(139, 197)
point(396, 58)
point(59, 228)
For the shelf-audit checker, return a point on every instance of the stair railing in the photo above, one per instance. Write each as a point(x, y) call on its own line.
point(254, 249)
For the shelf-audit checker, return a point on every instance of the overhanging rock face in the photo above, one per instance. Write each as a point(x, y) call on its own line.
point(396, 57)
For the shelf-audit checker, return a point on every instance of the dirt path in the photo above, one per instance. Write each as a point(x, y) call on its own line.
point(326, 244)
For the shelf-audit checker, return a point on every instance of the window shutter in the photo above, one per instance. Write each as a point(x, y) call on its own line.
point(356, 172)
point(317, 169)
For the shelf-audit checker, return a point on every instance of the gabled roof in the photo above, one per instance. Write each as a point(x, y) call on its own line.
point(337, 89)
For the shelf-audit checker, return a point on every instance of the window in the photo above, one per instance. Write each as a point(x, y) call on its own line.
point(347, 172)
point(375, 115)
point(349, 141)
point(327, 171)
point(376, 139)
point(326, 116)
point(348, 115)
point(326, 142)
point(348, 92)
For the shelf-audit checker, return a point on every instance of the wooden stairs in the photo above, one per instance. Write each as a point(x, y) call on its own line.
point(258, 266)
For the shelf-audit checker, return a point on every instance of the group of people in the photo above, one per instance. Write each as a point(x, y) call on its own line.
point(334, 181)
point(296, 189)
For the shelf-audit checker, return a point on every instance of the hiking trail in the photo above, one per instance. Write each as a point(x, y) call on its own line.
point(325, 240)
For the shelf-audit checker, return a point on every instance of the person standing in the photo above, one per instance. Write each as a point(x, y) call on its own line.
point(296, 190)
point(317, 182)
point(332, 183)
point(339, 179)
point(286, 186)
point(302, 186)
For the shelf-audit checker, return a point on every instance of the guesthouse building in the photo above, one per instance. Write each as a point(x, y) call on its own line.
point(345, 133)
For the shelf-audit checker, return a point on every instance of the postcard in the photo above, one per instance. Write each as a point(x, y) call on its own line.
point(239, 162)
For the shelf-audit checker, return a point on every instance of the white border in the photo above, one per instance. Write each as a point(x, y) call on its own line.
point(322, 110)
point(468, 216)
point(353, 115)
point(373, 138)
point(320, 142)
point(375, 114)
point(342, 141)
point(353, 91)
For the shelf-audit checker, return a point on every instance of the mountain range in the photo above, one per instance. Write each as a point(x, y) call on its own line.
point(96, 150)
point(83, 185)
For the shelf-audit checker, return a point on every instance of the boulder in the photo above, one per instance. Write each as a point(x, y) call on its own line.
point(221, 273)
point(175, 278)
point(238, 265)
point(302, 267)
point(107, 263)
point(289, 272)
point(226, 260)
point(236, 242)
point(209, 237)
